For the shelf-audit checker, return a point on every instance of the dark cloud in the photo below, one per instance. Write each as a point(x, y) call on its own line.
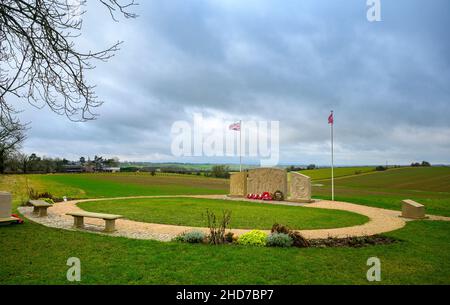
point(290, 61)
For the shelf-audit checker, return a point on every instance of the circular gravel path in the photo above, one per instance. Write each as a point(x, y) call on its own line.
point(380, 220)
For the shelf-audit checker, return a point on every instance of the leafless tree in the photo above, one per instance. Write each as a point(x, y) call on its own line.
point(39, 61)
point(12, 134)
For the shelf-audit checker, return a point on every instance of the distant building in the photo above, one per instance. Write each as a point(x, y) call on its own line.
point(73, 168)
point(111, 169)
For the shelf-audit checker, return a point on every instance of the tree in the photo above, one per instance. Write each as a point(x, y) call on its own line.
point(39, 60)
point(220, 171)
point(311, 166)
point(12, 134)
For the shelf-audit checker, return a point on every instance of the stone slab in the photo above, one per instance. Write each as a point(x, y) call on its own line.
point(5, 204)
point(262, 180)
point(238, 184)
point(299, 187)
point(95, 215)
point(412, 209)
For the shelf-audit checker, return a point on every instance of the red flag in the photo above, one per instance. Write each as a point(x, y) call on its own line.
point(331, 119)
point(235, 126)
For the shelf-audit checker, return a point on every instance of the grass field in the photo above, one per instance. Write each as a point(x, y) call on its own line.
point(37, 255)
point(126, 184)
point(325, 173)
point(427, 185)
point(245, 215)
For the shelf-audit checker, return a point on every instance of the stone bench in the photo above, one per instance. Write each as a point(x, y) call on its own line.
point(40, 207)
point(412, 209)
point(110, 220)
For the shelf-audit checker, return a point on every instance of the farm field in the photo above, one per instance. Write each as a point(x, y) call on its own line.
point(126, 184)
point(325, 173)
point(245, 215)
point(427, 185)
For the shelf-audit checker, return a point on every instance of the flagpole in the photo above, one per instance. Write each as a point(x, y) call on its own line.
point(332, 158)
point(240, 145)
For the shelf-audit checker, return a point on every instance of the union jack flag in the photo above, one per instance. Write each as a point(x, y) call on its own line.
point(235, 126)
point(331, 118)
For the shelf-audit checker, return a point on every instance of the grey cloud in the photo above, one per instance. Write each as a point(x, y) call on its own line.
point(291, 61)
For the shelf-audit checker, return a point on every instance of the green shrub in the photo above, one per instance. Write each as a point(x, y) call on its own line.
point(193, 237)
point(297, 238)
point(253, 238)
point(229, 237)
point(279, 240)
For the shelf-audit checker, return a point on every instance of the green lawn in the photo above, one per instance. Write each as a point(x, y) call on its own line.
point(245, 215)
point(427, 185)
point(37, 255)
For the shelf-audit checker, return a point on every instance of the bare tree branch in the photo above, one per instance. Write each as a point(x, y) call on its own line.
point(38, 58)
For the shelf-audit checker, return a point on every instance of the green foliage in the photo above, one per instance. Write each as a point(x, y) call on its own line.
point(279, 240)
point(220, 171)
point(229, 237)
point(253, 238)
point(296, 237)
point(192, 237)
point(311, 166)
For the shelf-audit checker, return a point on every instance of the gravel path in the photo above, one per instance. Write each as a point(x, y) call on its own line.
point(381, 220)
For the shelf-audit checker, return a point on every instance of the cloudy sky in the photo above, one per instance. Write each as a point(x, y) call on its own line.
point(288, 61)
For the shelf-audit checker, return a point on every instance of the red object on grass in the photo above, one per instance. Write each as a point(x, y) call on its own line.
point(19, 220)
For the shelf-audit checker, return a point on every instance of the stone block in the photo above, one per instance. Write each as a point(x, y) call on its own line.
point(238, 184)
point(299, 187)
point(5, 204)
point(412, 209)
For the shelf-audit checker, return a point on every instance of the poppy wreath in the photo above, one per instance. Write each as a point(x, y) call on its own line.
point(278, 196)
